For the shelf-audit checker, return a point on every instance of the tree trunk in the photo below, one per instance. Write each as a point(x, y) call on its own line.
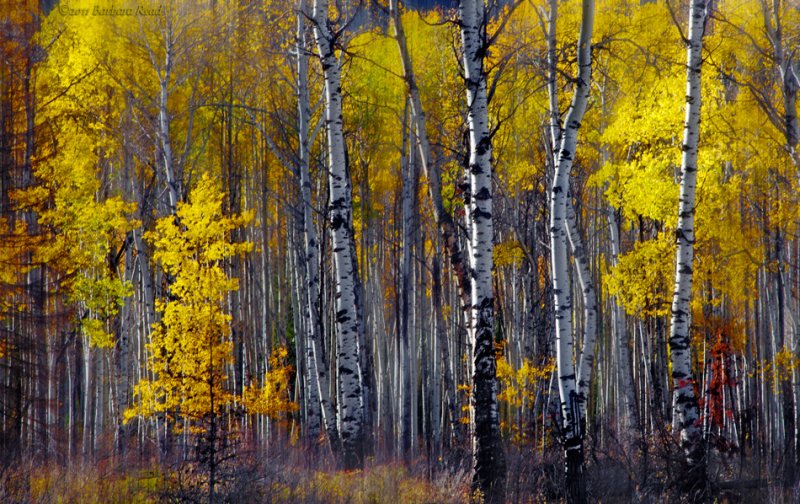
point(315, 358)
point(351, 414)
point(571, 407)
point(586, 284)
point(489, 475)
point(173, 184)
point(628, 392)
point(409, 191)
point(444, 220)
point(684, 402)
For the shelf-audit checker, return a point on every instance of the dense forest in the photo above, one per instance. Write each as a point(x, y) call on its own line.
point(362, 251)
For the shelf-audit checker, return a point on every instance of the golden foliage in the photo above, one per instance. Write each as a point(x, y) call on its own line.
point(779, 369)
point(508, 253)
point(519, 385)
point(642, 278)
point(190, 347)
point(272, 398)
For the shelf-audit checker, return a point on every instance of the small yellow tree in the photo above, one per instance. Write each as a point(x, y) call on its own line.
point(190, 348)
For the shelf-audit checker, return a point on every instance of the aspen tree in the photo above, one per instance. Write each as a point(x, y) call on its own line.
point(430, 168)
point(321, 410)
point(489, 459)
point(348, 319)
point(443, 219)
point(621, 332)
point(584, 277)
point(572, 422)
point(589, 295)
point(685, 412)
point(190, 348)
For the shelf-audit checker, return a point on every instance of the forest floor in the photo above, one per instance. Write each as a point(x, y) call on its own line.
point(88, 485)
point(295, 475)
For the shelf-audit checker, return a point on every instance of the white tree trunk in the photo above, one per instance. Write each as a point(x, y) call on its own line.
point(315, 358)
point(164, 75)
point(351, 412)
point(489, 475)
point(684, 402)
point(589, 294)
point(166, 147)
point(409, 191)
point(571, 408)
point(628, 392)
point(146, 276)
point(588, 291)
point(444, 220)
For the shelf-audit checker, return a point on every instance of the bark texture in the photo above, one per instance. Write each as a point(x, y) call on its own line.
point(571, 399)
point(351, 407)
point(489, 463)
point(320, 408)
point(589, 295)
point(685, 412)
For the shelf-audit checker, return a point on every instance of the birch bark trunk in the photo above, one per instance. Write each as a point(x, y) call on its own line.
point(628, 393)
point(409, 191)
point(347, 318)
point(444, 220)
point(489, 459)
point(585, 282)
point(589, 295)
point(164, 78)
point(571, 407)
point(684, 402)
point(315, 358)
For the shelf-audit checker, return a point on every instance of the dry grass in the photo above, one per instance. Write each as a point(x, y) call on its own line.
point(292, 474)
